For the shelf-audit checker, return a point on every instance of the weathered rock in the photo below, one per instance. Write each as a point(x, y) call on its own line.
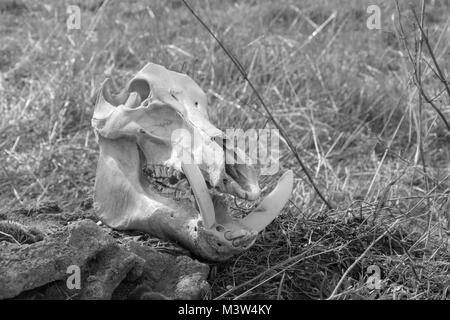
point(107, 269)
point(29, 266)
point(168, 276)
point(191, 278)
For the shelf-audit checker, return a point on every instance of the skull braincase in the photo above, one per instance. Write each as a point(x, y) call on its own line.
point(156, 141)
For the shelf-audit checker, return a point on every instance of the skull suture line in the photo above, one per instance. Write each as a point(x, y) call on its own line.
point(142, 183)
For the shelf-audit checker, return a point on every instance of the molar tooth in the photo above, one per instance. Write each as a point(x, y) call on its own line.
point(150, 170)
point(160, 171)
point(178, 194)
point(189, 196)
point(186, 195)
point(180, 175)
point(165, 172)
point(173, 174)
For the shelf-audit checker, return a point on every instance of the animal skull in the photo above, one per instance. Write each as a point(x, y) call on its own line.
point(144, 181)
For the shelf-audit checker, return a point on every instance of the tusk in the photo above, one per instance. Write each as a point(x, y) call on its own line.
point(271, 205)
point(198, 185)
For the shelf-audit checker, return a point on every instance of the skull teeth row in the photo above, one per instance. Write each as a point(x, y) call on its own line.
point(169, 182)
point(163, 172)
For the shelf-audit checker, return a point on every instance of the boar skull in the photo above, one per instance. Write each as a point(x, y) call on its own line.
point(143, 183)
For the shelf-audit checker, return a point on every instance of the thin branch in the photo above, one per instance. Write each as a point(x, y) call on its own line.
point(433, 105)
point(430, 50)
point(415, 77)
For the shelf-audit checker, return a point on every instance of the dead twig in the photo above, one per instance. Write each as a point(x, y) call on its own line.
point(416, 75)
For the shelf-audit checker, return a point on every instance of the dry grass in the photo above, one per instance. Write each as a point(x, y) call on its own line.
point(345, 96)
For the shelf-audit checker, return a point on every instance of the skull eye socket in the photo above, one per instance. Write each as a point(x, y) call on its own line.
point(141, 87)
